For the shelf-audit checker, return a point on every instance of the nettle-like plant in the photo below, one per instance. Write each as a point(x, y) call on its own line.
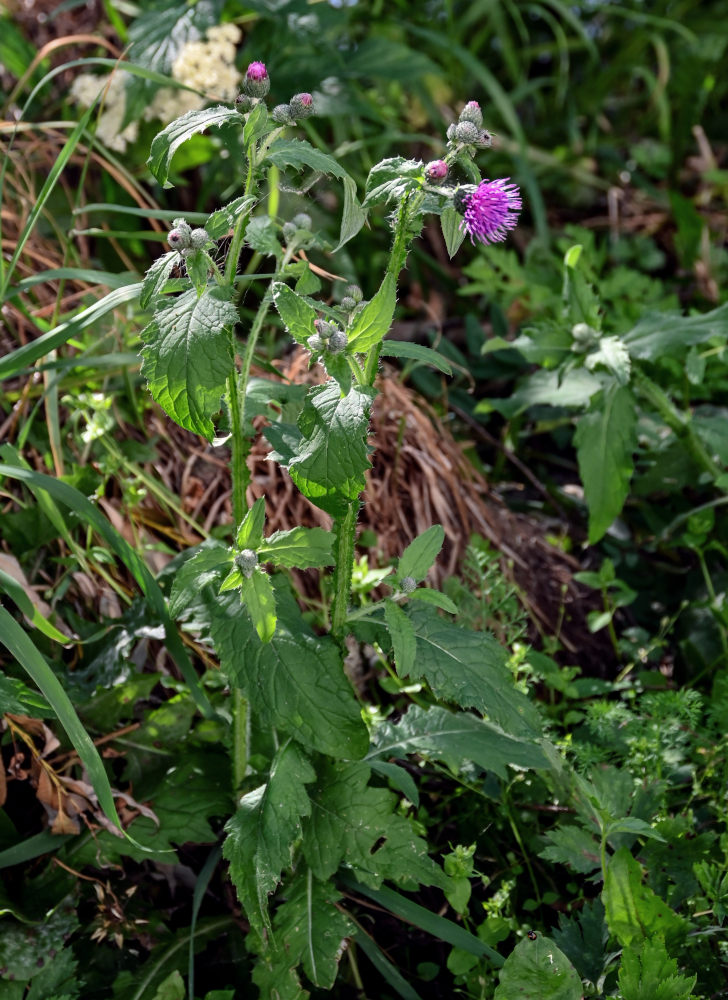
point(311, 760)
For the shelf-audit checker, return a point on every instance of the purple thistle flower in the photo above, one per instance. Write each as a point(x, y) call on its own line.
point(256, 82)
point(490, 210)
point(257, 71)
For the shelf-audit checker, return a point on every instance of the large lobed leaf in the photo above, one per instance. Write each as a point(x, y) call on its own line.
point(469, 669)
point(328, 459)
point(188, 356)
point(166, 142)
point(355, 824)
point(296, 681)
point(262, 833)
point(455, 738)
point(538, 970)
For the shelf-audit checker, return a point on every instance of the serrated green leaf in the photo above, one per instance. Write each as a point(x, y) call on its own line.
point(330, 459)
point(391, 178)
point(583, 939)
point(299, 548)
point(634, 911)
point(295, 682)
point(297, 315)
point(469, 669)
point(221, 221)
point(660, 334)
point(402, 635)
point(353, 215)
point(606, 439)
point(264, 830)
point(455, 738)
point(538, 970)
point(233, 581)
point(58, 978)
point(21, 945)
point(648, 973)
point(421, 553)
point(575, 389)
point(156, 277)
point(452, 230)
point(276, 977)
point(373, 322)
point(166, 142)
point(354, 823)
point(197, 265)
point(260, 234)
point(573, 846)
point(257, 124)
point(435, 597)
point(257, 594)
point(204, 567)
point(418, 352)
point(250, 532)
point(298, 153)
point(188, 356)
point(313, 928)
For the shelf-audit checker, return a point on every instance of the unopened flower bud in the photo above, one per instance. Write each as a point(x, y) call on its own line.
point(408, 584)
point(348, 303)
point(467, 132)
point(243, 102)
point(472, 113)
point(246, 561)
point(301, 106)
point(179, 235)
point(436, 170)
point(323, 329)
point(585, 337)
point(485, 139)
point(316, 343)
point(354, 292)
point(302, 221)
point(451, 131)
point(281, 113)
point(199, 238)
point(256, 82)
point(289, 231)
point(337, 342)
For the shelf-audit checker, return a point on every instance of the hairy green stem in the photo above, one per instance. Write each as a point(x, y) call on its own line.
point(239, 451)
point(345, 531)
point(241, 738)
point(679, 423)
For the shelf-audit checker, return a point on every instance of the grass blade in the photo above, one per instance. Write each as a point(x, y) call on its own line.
point(133, 561)
point(28, 656)
point(385, 968)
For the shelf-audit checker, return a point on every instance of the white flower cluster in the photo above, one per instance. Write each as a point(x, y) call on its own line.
point(108, 127)
point(208, 66)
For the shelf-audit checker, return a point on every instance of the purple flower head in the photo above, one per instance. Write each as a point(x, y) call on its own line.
point(472, 113)
point(256, 71)
point(490, 210)
point(256, 82)
point(436, 170)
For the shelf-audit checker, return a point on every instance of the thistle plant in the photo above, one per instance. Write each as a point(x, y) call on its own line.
point(310, 767)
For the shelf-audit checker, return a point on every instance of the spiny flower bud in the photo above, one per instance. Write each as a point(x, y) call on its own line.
point(323, 329)
point(301, 106)
point(289, 231)
point(472, 113)
point(467, 132)
point(256, 82)
point(281, 113)
point(485, 139)
point(337, 342)
point(348, 303)
point(316, 343)
point(408, 584)
point(354, 292)
point(243, 102)
point(451, 131)
point(246, 561)
point(199, 238)
point(302, 221)
point(179, 235)
point(436, 170)
point(585, 337)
